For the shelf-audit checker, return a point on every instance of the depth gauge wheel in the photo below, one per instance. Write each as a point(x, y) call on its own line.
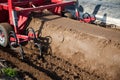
point(5, 28)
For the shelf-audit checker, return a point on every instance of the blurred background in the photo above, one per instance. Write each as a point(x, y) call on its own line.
point(107, 11)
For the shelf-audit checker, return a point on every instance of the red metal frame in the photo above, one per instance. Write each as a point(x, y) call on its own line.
point(86, 20)
point(12, 7)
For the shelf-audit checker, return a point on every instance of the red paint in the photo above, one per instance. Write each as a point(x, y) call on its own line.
point(25, 7)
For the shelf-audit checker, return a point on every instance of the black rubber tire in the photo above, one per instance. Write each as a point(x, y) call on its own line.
point(5, 28)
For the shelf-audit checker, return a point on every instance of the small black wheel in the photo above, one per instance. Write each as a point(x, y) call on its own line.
point(5, 28)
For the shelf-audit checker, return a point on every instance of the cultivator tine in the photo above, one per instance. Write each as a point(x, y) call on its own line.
point(21, 51)
point(36, 41)
point(39, 47)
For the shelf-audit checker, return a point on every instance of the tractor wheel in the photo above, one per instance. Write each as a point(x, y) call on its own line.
point(5, 28)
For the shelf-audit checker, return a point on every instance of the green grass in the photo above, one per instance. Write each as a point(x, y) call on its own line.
point(9, 72)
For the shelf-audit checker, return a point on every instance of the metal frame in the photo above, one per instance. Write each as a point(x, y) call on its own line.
point(17, 15)
point(89, 18)
point(18, 20)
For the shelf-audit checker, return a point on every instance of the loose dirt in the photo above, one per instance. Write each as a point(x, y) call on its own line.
point(71, 51)
point(51, 67)
point(88, 46)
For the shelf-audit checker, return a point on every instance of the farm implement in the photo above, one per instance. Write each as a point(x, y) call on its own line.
point(13, 18)
point(85, 17)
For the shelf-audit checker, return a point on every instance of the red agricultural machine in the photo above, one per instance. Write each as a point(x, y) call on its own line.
point(86, 17)
point(13, 17)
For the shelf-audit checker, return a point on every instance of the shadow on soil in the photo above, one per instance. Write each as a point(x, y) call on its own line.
point(44, 41)
point(52, 75)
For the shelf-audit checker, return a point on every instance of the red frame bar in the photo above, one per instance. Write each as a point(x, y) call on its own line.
point(10, 9)
point(5, 7)
point(46, 6)
point(14, 6)
point(22, 37)
point(25, 2)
